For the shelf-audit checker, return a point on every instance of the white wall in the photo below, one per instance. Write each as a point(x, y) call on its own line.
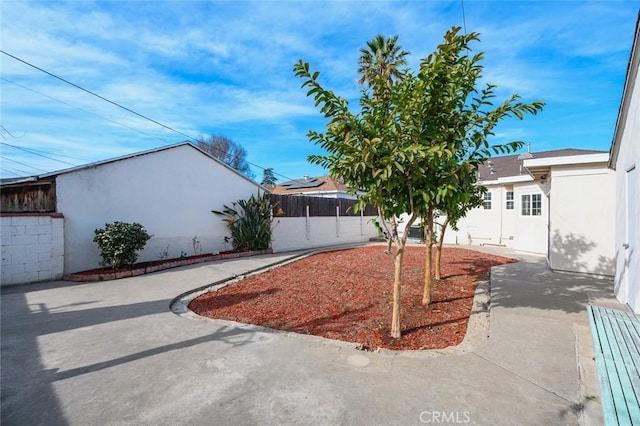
point(627, 277)
point(486, 226)
point(582, 219)
point(531, 231)
point(294, 233)
point(171, 192)
point(32, 248)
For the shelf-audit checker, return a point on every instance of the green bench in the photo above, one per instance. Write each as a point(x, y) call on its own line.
point(616, 340)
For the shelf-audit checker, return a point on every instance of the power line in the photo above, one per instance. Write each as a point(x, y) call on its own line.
point(190, 138)
point(464, 20)
point(8, 169)
point(82, 109)
point(24, 164)
point(38, 154)
point(95, 94)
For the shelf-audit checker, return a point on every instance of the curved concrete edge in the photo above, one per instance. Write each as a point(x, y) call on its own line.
point(478, 327)
point(180, 304)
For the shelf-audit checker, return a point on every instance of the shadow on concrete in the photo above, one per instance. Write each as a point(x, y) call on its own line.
point(528, 284)
point(47, 321)
point(24, 390)
point(227, 334)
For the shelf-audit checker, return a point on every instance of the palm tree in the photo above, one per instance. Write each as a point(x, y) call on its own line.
point(382, 57)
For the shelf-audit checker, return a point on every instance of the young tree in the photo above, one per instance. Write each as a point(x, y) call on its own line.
point(455, 209)
point(450, 115)
point(413, 144)
point(268, 177)
point(229, 152)
point(369, 151)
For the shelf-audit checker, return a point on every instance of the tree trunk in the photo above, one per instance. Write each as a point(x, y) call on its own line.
point(428, 235)
point(438, 274)
point(397, 281)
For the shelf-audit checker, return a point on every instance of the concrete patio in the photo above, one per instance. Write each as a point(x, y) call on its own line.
point(113, 353)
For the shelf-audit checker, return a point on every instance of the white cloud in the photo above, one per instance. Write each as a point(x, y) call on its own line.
point(226, 67)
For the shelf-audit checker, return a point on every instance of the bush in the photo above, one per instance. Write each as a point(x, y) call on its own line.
point(119, 243)
point(249, 222)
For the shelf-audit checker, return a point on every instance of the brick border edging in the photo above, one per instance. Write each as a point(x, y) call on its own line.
point(108, 276)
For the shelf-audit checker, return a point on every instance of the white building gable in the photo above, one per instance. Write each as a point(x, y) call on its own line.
point(625, 160)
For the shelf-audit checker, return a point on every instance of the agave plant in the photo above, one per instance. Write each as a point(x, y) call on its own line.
point(249, 222)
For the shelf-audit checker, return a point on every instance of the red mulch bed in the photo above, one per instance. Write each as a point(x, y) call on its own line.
point(347, 295)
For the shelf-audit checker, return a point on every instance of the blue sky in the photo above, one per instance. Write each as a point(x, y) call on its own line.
point(225, 67)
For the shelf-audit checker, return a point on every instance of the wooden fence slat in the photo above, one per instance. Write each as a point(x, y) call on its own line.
point(296, 205)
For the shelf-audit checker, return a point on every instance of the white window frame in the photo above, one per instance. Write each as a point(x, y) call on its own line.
point(486, 200)
point(536, 204)
point(531, 205)
point(510, 201)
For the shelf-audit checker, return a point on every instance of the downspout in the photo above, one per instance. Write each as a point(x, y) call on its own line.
point(549, 222)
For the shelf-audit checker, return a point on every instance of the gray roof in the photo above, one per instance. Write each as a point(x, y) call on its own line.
point(510, 165)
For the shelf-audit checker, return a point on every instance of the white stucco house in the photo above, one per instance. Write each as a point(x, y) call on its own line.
point(169, 190)
point(625, 160)
point(558, 204)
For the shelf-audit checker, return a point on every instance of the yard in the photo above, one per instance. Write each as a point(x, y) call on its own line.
point(346, 295)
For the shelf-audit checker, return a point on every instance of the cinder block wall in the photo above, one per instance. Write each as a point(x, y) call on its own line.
point(32, 247)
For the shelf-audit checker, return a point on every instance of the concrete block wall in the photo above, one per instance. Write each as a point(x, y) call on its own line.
point(296, 233)
point(32, 248)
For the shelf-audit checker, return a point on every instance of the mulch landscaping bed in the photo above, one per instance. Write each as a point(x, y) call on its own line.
point(347, 295)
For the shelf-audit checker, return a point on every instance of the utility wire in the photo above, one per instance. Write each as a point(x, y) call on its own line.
point(8, 169)
point(85, 110)
point(191, 138)
point(24, 164)
point(38, 154)
point(464, 20)
point(96, 95)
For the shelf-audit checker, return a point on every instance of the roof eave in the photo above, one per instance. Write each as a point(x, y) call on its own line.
point(629, 85)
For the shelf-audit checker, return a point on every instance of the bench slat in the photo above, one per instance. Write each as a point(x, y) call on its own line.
point(625, 365)
point(616, 338)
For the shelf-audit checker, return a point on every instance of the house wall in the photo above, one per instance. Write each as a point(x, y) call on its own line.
point(627, 167)
point(582, 213)
point(32, 248)
point(170, 192)
point(531, 231)
point(486, 226)
point(295, 233)
point(495, 226)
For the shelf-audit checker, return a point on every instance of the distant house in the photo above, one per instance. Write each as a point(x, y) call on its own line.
point(170, 190)
point(559, 204)
point(320, 186)
point(625, 160)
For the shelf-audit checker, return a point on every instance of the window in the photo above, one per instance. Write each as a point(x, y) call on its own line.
point(509, 200)
point(532, 205)
point(486, 200)
point(536, 205)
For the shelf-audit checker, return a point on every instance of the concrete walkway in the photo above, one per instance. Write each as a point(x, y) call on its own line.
point(113, 353)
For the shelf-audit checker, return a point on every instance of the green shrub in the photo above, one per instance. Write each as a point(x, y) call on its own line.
point(249, 222)
point(119, 243)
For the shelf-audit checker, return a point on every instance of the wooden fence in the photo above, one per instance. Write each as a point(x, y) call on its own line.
point(296, 206)
point(30, 197)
